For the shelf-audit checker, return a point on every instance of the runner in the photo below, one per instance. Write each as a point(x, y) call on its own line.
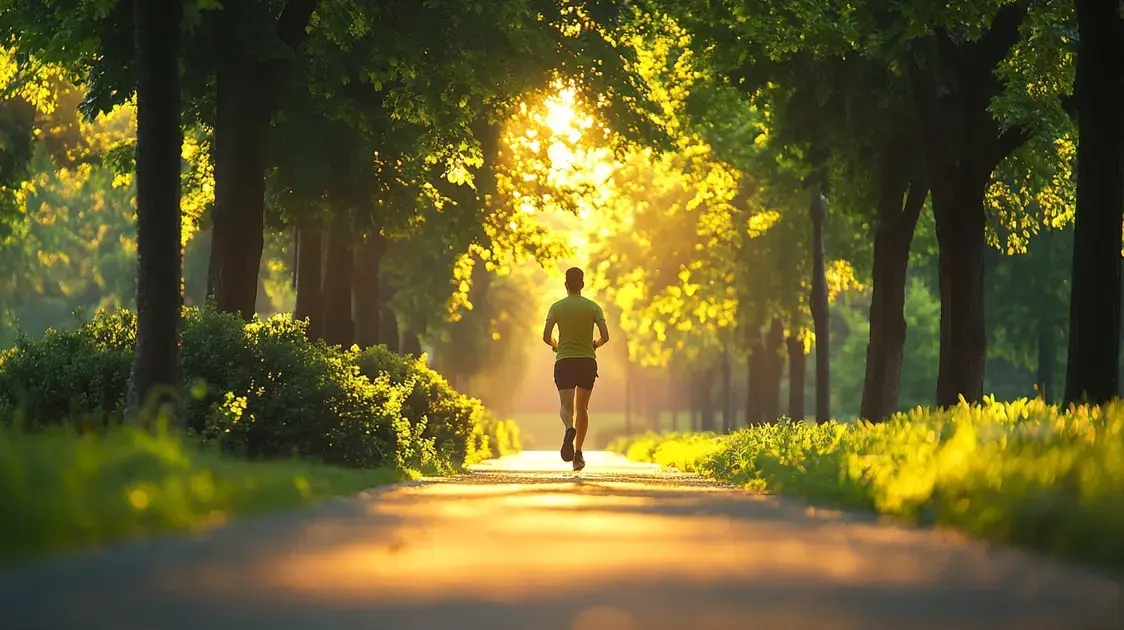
point(575, 360)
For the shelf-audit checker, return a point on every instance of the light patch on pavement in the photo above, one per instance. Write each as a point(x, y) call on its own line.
point(510, 542)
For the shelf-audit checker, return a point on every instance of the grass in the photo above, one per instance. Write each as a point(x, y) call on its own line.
point(60, 490)
point(1021, 472)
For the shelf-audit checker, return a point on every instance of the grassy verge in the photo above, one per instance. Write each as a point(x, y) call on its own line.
point(1020, 472)
point(60, 490)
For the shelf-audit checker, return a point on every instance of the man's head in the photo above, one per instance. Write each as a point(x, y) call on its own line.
point(575, 280)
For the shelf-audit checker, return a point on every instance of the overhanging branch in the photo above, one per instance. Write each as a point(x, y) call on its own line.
point(997, 41)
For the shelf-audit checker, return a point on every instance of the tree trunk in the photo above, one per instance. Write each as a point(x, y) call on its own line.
point(1092, 372)
point(411, 343)
point(754, 372)
point(796, 374)
point(892, 243)
point(310, 258)
point(628, 398)
point(964, 144)
point(727, 393)
point(675, 389)
point(706, 399)
point(1047, 353)
point(1120, 368)
point(652, 420)
point(960, 234)
point(820, 315)
point(155, 376)
point(692, 377)
point(263, 306)
point(338, 265)
point(238, 216)
point(367, 291)
point(755, 376)
point(389, 334)
point(489, 135)
point(247, 94)
point(774, 371)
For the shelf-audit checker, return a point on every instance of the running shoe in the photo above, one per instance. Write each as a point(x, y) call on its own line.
point(568, 445)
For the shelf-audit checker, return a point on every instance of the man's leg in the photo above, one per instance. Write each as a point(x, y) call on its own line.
point(566, 412)
point(566, 407)
point(581, 404)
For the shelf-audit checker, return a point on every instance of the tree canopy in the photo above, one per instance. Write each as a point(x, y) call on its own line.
point(729, 173)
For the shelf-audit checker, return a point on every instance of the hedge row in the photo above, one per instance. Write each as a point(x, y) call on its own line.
point(260, 390)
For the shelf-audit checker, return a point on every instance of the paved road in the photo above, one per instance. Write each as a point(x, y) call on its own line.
point(523, 544)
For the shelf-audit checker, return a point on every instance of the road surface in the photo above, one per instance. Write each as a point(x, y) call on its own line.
point(521, 543)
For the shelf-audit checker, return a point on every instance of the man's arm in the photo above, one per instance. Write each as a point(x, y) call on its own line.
point(603, 329)
point(548, 332)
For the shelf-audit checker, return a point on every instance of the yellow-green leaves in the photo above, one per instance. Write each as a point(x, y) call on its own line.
point(1019, 471)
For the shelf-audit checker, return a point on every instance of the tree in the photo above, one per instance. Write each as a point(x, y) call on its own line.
point(1092, 371)
point(961, 154)
point(820, 308)
point(984, 77)
point(236, 60)
point(247, 94)
point(899, 177)
point(159, 249)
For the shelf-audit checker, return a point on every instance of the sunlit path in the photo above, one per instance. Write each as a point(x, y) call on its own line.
point(523, 543)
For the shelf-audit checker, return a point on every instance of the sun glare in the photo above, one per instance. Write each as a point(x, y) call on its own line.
point(560, 113)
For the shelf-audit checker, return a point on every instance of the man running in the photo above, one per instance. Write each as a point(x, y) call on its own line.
point(575, 359)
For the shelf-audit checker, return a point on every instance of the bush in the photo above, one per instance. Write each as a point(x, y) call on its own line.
point(1022, 471)
point(262, 389)
point(69, 375)
point(457, 424)
point(259, 390)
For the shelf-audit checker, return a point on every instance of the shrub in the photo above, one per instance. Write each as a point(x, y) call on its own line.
point(491, 437)
point(457, 424)
point(260, 390)
point(69, 375)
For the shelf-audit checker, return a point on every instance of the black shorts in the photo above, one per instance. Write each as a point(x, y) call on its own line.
point(571, 373)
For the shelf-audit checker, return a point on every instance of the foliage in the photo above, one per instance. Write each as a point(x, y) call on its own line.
point(29, 93)
point(461, 428)
point(75, 247)
point(1020, 471)
point(69, 375)
point(261, 390)
point(74, 490)
point(678, 450)
point(72, 245)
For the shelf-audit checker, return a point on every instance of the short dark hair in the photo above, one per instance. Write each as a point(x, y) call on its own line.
point(575, 278)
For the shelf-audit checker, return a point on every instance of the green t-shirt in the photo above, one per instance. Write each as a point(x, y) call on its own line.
point(575, 317)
